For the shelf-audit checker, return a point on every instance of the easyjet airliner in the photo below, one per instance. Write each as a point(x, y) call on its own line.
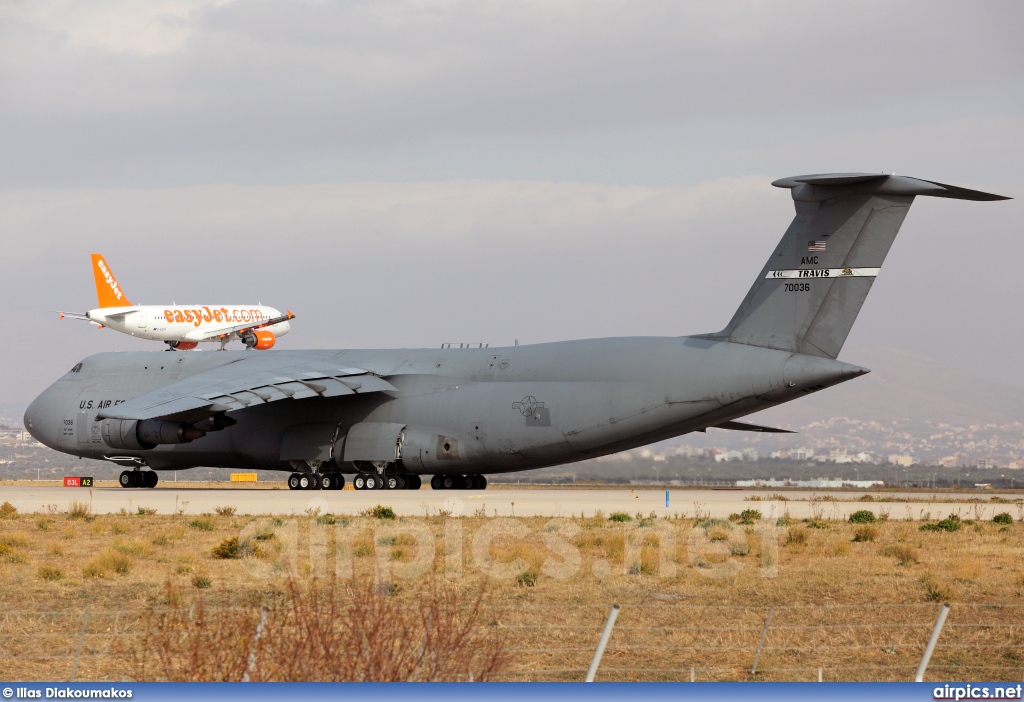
point(181, 327)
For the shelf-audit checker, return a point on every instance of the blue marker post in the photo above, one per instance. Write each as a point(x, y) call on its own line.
point(666, 499)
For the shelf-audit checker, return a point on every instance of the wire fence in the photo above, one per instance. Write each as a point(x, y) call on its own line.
point(651, 641)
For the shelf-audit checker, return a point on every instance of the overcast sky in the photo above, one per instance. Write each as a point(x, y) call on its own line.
point(412, 173)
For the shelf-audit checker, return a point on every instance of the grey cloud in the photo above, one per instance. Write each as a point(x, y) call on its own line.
point(305, 88)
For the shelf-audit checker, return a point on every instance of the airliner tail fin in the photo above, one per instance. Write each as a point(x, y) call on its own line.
point(108, 292)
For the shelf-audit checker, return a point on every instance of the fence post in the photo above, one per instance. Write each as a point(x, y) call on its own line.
point(250, 665)
point(764, 635)
point(930, 648)
point(693, 674)
point(605, 635)
point(78, 651)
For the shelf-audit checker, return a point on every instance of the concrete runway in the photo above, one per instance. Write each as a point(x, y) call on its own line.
point(530, 502)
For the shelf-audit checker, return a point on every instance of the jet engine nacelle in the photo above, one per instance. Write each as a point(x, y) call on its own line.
point(437, 451)
point(259, 340)
point(146, 434)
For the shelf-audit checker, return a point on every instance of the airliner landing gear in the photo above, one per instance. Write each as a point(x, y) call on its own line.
point(474, 481)
point(138, 479)
point(332, 481)
point(398, 481)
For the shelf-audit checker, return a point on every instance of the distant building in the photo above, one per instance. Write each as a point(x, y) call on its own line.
point(749, 454)
point(801, 454)
point(902, 460)
point(815, 483)
point(837, 455)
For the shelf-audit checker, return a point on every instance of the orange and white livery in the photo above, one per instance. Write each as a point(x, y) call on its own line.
point(181, 326)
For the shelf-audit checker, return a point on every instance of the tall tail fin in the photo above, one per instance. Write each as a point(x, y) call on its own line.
point(810, 291)
point(108, 291)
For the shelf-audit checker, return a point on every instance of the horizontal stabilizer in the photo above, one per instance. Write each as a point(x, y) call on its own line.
point(882, 184)
point(741, 426)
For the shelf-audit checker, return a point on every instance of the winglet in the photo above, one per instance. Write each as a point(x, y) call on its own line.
point(108, 292)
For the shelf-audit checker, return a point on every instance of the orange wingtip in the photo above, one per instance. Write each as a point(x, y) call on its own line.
point(61, 315)
point(290, 315)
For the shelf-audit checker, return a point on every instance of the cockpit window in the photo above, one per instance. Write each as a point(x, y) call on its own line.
point(77, 367)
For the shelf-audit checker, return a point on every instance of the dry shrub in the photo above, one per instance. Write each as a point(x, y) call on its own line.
point(106, 564)
point(838, 548)
point(323, 631)
point(965, 570)
point(79, 510)
point(49, 573)
point(14, 540)
point(134, 547)
point(796, 536)
point(867, 532)
point(718, 534)
point(615, 547)
point(228, 548)
point(934, 589)
point(8, 511)
point(905, 554)
point(225, 511)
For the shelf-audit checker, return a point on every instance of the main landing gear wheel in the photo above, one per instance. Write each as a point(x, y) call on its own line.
point(150, 479)
point(128, 478)
point(293, 481)
point(474, 481)
point(332, 481)
point(372, 482)
point(306, 481)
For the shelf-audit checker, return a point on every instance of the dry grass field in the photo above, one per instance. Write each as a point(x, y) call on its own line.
point(857, 600)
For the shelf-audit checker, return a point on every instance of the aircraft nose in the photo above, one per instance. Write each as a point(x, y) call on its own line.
point(37, 421)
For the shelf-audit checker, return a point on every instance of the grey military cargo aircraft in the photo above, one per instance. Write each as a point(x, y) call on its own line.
point(388, 417)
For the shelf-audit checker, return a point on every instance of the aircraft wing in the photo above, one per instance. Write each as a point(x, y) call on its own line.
point(247, 382)
point(238, 328)
point(742, 426)
point(73, 315)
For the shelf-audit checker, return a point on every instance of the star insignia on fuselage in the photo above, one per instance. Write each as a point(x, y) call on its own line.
point(528, 405)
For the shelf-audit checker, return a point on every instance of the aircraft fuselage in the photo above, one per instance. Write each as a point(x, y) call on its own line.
point(511, 408)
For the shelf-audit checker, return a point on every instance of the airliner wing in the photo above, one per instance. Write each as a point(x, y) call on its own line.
point(210, 335)
point(257, 380)
point(73, 315)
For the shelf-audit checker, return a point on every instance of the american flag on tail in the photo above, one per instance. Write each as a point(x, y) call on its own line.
point(815, 245)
